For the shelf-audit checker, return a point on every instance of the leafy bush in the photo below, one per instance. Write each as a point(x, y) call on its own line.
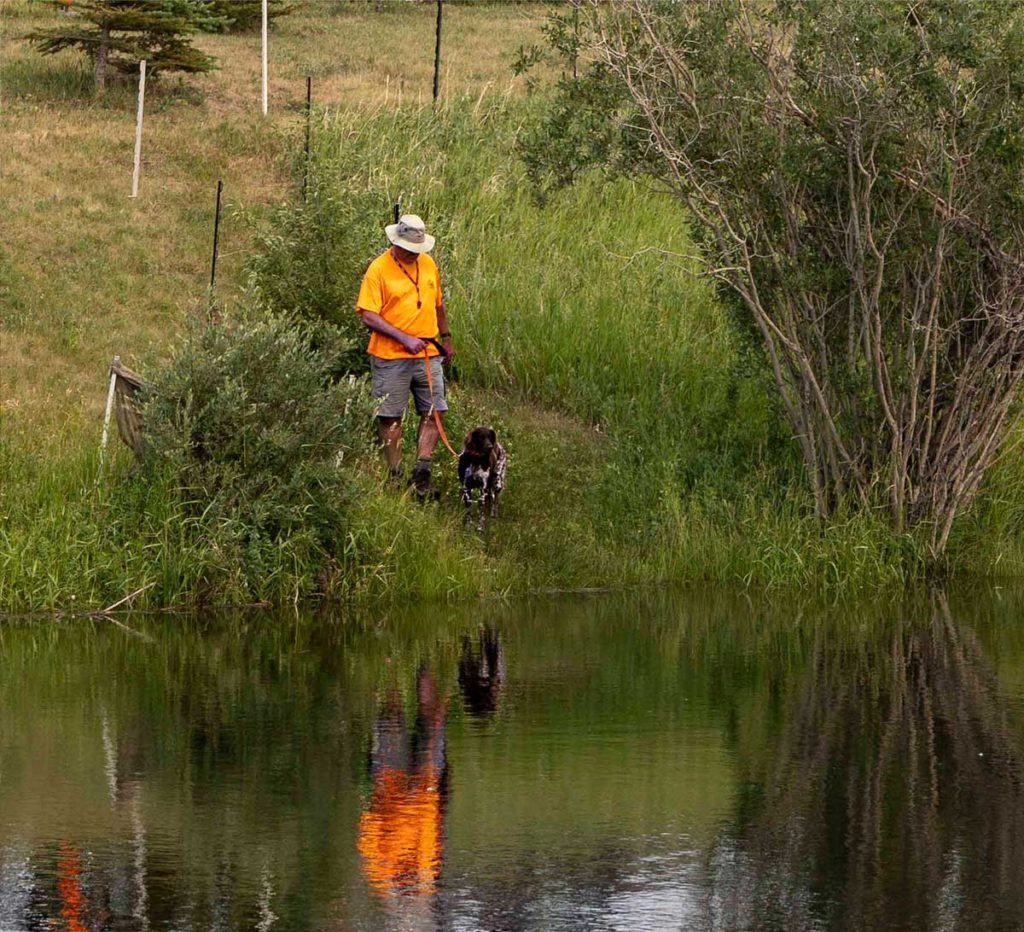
point(854, 170)
point(310, 263)
point(255, 435)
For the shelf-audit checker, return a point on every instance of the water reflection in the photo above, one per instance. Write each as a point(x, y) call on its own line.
point(482, 672)
point(124, 760)
point(69, 887)
point(401, 828)
point(400, 831)
point(659, 762)
point(891, 796)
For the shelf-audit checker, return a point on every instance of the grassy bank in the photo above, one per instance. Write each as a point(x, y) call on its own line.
point(86, 272)
point(644, 444)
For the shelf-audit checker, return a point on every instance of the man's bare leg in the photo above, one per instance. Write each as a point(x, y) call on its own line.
point(389, 430)
point(426, 440)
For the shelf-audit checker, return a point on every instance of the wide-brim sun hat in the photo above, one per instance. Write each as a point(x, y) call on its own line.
point(410, 233)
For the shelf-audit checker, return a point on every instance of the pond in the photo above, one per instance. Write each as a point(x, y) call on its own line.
point(633, 762)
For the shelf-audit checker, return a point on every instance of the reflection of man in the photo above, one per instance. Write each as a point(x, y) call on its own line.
point(400, 832)
point(69, 888)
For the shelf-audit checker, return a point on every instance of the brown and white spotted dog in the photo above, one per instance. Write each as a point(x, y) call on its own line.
point(482, 466)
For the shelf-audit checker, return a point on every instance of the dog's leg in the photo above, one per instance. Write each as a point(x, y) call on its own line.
point(481, 522)
point(467, 500)
point(498, 480)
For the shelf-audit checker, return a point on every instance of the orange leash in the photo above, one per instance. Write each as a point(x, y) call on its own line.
point(433, 410)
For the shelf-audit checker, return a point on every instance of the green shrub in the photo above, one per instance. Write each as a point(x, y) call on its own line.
point(256, 438)
point(309, 262)
point(584, 304)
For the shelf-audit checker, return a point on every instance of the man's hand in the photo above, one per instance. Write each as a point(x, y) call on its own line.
point(448, 351)
point(414, 345)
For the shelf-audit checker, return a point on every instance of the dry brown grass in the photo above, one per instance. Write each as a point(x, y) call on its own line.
point(86, 272)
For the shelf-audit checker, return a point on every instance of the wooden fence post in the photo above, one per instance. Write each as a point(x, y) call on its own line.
point(109, 408)
point(138, 128)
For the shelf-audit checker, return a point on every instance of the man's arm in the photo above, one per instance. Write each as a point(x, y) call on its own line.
point(446, 336)
point(375, 322)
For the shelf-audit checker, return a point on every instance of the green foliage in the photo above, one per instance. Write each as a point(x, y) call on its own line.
point(584, 305)
point(644, 446)
point(855, 170)
point(308, 262)
point(243, 15)
point(118, 33)
point(256, 439)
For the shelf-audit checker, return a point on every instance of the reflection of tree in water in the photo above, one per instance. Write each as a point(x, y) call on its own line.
point(244, 750)
point(165, 727)
point(892, 799)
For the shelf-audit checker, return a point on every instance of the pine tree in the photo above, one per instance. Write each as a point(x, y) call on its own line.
point(118, 33)
point(242, 15)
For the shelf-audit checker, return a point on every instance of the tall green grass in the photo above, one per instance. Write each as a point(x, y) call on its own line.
point(643, 440)
point(75, 537)
point(591, 304)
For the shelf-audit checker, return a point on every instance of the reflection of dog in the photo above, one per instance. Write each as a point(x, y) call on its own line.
point(482, 673)
point(482, 466)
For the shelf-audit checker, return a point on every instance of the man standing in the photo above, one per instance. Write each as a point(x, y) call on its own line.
point(400, 303)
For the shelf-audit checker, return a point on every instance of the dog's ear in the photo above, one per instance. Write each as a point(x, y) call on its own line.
point(467, 443)
point(492, 434)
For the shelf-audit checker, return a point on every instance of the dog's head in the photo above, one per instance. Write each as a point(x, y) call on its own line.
point(481, 443)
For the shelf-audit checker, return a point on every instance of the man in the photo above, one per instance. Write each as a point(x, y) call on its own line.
point(400, 303)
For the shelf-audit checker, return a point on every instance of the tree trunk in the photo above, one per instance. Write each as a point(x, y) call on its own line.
point(101, 58)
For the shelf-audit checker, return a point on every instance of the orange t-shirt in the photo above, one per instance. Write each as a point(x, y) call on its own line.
point(407, 297)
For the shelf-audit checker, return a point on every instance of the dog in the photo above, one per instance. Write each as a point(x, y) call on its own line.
point(482, 466)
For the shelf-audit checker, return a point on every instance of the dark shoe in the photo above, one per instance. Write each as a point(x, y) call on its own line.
point(425, 490)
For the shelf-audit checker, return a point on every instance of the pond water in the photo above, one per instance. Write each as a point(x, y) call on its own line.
point(667, 761)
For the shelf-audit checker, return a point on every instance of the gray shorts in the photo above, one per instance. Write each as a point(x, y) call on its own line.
point(394, 379)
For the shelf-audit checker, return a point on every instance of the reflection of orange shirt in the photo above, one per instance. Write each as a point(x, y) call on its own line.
point(406, 296)
point(69, 888)
point(400, 832)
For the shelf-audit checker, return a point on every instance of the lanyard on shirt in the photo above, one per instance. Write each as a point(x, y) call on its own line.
point(415, 281)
